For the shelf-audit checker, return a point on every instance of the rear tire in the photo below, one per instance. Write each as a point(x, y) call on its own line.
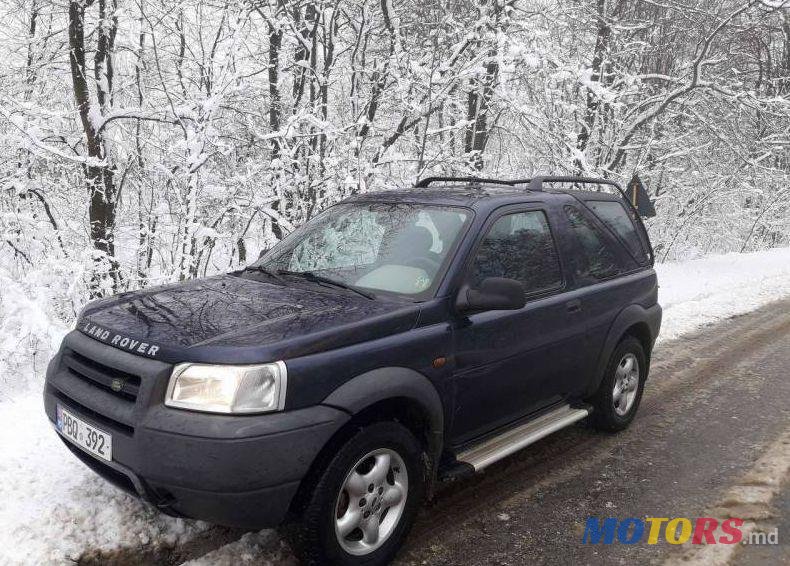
point(620, 392)
point(344, 521)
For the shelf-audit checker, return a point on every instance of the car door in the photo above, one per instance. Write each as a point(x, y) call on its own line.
point(599, 266)
point(512, 363)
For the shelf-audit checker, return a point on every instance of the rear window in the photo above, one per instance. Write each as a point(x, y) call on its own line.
point(595, 260)
point(615, 216)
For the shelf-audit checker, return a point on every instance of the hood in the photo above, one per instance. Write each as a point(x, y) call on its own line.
point(233, 319)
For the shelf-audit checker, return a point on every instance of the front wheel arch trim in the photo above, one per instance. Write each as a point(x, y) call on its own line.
point(388, 383)
point(365, 391)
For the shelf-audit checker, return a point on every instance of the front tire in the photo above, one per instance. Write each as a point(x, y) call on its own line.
point(620, 392)
point(365, 500)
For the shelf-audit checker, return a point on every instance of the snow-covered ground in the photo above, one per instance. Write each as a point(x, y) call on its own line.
point(52, 508)
point(702, 291)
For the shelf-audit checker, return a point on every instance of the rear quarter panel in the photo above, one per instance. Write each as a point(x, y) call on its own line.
point(611, 307)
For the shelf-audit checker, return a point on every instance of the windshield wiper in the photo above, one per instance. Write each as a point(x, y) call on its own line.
point(264, 270)
point(315, 278)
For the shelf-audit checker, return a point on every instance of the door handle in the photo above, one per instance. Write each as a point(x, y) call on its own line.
point(574, 306)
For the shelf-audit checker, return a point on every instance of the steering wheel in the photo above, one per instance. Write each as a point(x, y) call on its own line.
point(426, 264)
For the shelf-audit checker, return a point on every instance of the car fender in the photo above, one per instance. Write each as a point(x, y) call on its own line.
point(629, 316)
point(382, 384)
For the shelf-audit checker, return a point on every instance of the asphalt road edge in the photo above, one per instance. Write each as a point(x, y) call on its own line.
point(749, 499)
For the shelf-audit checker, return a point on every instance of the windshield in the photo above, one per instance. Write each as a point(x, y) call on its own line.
point(397, 248)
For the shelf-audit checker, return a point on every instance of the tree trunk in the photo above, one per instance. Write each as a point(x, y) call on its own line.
point(602, 45)
point(99, 175)
point(479, 101)
point(275, 113)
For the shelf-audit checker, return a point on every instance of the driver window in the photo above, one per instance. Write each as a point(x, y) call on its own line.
point(519, 246)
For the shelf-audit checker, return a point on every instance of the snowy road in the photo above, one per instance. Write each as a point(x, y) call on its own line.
point(704, 401)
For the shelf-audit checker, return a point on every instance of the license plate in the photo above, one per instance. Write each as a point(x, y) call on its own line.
point(84, 435)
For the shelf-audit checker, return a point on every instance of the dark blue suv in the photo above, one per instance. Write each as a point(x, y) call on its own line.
point(395, 340)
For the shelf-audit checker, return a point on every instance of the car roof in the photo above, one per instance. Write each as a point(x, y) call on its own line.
point(478, 196)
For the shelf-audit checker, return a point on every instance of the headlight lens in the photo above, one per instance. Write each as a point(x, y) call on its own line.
point(228, 389)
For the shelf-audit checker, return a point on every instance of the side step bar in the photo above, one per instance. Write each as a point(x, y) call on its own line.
point(514, 439)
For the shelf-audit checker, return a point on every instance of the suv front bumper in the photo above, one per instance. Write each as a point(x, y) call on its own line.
point(240, 471)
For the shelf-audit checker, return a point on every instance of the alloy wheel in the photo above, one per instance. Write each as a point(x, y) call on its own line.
point(371, 501)
point(626, 384)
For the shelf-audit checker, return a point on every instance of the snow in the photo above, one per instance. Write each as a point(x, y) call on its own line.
point(703, 291)
point(253, 549)
point(54, 508)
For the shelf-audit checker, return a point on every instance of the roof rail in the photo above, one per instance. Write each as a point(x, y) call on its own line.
point(536, 183)
point(423, 183)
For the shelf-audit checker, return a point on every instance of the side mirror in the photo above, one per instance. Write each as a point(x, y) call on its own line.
point(264, 251)
point(494, 294)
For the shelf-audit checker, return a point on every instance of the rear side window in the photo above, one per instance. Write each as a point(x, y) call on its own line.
point(595, 259)
point(615, 216)
point(519, 246)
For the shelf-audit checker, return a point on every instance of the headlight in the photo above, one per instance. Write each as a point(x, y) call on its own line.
point(228, 389)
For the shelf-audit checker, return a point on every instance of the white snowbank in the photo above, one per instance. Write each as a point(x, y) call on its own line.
point(52, 508)
point(702, 291)
point(29, 335)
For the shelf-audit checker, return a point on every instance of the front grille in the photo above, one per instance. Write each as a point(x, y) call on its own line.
point(119, 383)
point(108, 387)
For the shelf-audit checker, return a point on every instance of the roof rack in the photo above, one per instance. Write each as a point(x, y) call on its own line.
point(423, 183)
point(534, 184)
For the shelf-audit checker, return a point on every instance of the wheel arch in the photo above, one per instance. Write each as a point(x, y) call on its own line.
point(635, 320)
point(641, 331)
point(388, 385)
point(386, 394)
